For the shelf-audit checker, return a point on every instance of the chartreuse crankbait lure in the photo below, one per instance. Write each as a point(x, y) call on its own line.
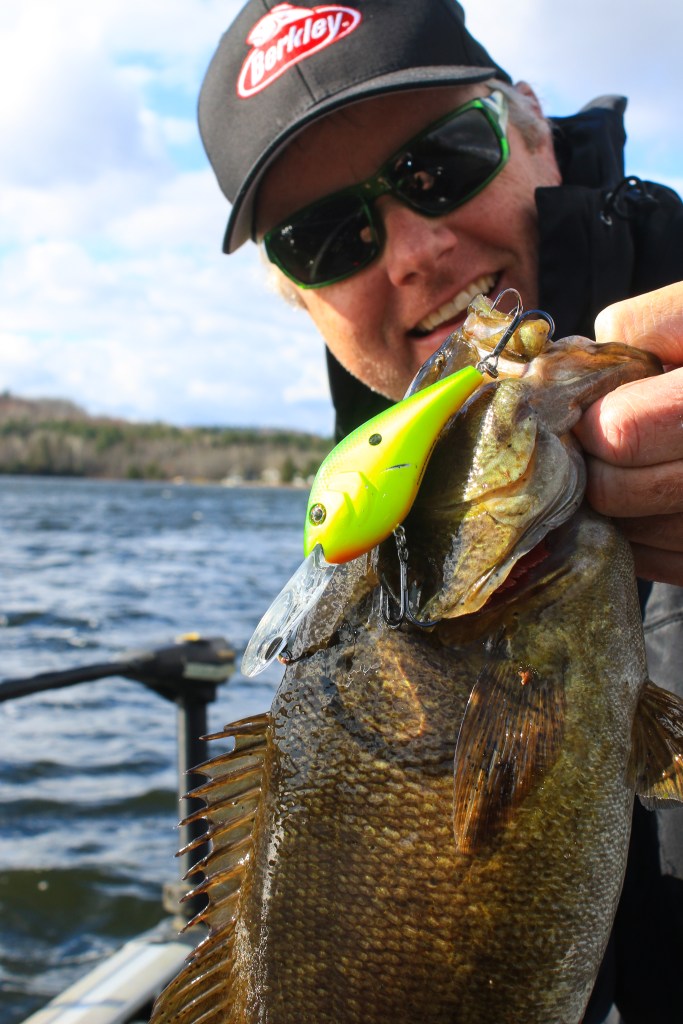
point(363, 490)
point(366, 486)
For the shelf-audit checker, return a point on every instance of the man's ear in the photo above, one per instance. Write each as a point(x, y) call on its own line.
point(525, 89)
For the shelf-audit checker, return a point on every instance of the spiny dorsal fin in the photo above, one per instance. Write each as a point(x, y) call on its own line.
point(656, 765)
point(510, 735)
point(203, 989)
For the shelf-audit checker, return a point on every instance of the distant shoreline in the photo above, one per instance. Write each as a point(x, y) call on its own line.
point(52, 437)
point(252, 485)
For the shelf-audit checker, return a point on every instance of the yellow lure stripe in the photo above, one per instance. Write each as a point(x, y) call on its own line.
point(367, 484)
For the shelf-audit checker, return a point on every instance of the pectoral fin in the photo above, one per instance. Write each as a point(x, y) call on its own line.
point(232, 795)
point(656, 765)
point(510, 736)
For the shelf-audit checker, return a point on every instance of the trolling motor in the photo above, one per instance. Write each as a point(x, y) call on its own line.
point(192, 664)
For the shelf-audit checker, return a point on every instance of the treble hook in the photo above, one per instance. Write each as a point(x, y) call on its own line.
point(386, 592)
point(518, 301)
point(490, 363)
point(404, 612)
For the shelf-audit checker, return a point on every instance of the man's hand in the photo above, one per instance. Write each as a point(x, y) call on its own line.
point(634, 436)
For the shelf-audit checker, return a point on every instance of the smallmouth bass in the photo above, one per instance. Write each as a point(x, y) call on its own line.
point(431, 823)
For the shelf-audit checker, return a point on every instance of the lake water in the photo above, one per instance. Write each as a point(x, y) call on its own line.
point(90, 570)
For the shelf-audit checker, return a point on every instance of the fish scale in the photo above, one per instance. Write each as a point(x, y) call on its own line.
point(430, 826)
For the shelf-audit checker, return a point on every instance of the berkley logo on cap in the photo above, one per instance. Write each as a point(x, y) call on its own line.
point(287, 35)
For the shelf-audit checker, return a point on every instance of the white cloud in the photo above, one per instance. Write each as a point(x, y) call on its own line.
point(584, 48)
point(68, 115)
point(113, 286)
point(162, 329)
point(178, 131)
point(187, 210)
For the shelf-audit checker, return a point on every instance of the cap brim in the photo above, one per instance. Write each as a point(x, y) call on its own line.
point(240, 223)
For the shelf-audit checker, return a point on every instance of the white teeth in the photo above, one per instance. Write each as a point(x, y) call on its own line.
point(455, 306)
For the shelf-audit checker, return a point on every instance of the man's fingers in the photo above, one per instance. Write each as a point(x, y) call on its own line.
point(639, 424)
point(641, 491)
point(657, 564)
point(633, 436)
point(662, 532)
point(653, 321)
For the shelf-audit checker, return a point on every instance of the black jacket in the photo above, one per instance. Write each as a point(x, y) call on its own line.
point(602, 238)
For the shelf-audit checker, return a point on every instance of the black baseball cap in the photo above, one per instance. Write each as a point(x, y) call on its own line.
point(281, 66)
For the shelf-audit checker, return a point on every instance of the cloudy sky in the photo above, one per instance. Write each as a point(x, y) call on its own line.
point(113, 289)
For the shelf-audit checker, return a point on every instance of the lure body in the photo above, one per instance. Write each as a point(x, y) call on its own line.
point(366, 486)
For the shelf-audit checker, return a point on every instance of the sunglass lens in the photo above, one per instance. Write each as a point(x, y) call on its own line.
point(450, 164)
point(325, 243)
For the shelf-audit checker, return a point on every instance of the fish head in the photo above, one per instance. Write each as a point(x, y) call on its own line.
point(481, 331)
point(507, 470)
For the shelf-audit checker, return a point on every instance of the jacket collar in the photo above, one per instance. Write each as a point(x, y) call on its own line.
point(589, 145)
point(585, 258)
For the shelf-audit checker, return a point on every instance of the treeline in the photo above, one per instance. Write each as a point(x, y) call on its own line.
point(52, 437)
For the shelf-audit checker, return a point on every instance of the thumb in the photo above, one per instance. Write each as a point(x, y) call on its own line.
point(653, 321)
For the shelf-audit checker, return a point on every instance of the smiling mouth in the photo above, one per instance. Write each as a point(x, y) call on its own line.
point(454, 307)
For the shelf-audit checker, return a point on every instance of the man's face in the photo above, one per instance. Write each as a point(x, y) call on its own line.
point(384, 321)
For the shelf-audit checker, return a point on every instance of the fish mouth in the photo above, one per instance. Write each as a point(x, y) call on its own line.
point(522, 573)
point(449, 312)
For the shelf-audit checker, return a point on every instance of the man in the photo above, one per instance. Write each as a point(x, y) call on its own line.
point(392, 171)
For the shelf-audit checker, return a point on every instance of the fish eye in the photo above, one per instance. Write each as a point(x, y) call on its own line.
point(375, 439)
point(317, 514)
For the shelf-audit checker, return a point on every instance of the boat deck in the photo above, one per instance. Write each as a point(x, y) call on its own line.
point(122, 988)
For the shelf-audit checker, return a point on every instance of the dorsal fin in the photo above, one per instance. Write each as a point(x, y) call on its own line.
point(232, 795)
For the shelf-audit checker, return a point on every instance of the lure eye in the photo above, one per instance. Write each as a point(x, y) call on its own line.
point(317, 514)
point(375, 439)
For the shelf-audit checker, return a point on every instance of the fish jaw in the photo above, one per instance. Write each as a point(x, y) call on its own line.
point(573, 373)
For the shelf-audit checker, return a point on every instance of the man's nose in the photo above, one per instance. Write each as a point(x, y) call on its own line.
point(414, 244)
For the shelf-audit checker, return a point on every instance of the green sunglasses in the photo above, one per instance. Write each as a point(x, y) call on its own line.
point(440, 169)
